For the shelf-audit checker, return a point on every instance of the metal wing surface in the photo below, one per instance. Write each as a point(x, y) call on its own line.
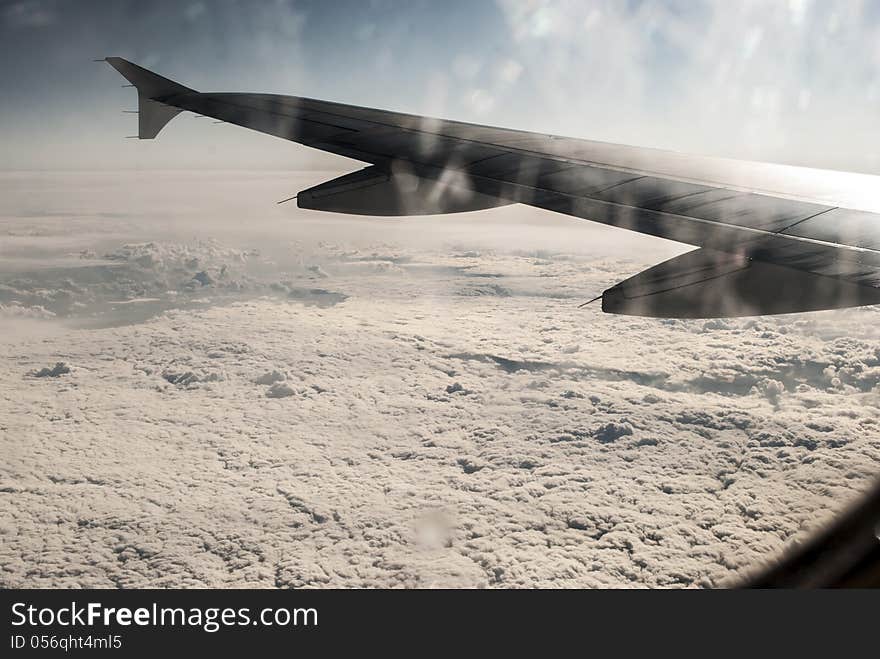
point(771, 238)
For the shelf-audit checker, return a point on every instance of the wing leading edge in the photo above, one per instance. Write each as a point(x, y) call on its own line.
point(773, 239)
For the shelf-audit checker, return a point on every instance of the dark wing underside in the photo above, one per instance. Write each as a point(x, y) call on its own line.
point(764, 248)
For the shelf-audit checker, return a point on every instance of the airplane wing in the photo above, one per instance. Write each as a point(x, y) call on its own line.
point(771, 239)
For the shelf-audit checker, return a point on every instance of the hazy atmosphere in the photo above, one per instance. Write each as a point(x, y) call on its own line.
point(792, 81)
point(202, 388)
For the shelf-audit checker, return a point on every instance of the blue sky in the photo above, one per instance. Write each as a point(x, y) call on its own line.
point(794, 81)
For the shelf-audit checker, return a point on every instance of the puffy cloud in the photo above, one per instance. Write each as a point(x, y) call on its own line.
point(16, 310)
point(612, 431)
point(270, 377)
point(59, 369)
point(279, 390)
point(771, 389)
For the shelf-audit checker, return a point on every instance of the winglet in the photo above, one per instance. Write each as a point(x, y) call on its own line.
point(152, 90)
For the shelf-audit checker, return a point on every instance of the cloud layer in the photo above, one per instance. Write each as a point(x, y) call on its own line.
point(383, 411)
